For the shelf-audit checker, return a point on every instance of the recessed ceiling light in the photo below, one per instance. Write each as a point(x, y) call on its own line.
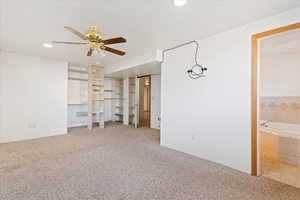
point(47, 45)
point(180, 2)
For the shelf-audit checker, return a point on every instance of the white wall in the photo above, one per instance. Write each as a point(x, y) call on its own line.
point(280, 75)
point(210, 117)
point(155, 101)
point(33, 97)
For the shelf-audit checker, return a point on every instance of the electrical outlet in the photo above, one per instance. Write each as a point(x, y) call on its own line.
point(31, 125)
point(194, 137)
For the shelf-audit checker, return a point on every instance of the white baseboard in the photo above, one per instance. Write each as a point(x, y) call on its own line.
point(9, 140)
point(77, 125)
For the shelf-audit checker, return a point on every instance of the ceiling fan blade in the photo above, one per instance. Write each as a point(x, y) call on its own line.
point(114, 40)
point(115, 51)
point(90, 52)
point(59, 42)
point(75, 32)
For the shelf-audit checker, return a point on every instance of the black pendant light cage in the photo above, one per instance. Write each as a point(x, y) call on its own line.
point(197, 70)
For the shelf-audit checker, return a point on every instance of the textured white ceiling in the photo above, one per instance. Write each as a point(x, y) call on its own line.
point(147, 24)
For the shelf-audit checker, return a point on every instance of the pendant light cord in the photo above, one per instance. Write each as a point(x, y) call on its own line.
point(196, 70)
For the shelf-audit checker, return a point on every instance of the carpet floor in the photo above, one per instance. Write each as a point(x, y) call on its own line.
point(122, 163)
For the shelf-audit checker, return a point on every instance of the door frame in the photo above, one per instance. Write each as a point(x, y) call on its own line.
point(149, 98)
point(254, 95)
point(137, 102)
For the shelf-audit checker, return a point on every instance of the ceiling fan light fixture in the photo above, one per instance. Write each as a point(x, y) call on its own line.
point(179, 3)
point(98, 53)
point(47, 45)
point(94, 41)
point(101, 54)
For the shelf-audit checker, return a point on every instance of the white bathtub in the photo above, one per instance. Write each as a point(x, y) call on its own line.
point(282, 129)
point(287, 145)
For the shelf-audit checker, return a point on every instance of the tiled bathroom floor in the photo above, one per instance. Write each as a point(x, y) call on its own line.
point(282, 172)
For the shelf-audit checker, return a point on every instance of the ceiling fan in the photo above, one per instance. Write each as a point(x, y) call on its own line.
point(94, 40)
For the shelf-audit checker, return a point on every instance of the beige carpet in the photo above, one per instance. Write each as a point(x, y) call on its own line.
point(121, 163)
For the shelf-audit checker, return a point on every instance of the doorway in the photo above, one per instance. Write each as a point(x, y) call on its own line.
point(144, 101)
point(275, 105)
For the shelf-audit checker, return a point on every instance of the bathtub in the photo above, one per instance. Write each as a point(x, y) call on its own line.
point(282, 129)
point(281, 141)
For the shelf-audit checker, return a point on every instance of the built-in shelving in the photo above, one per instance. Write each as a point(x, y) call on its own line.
point(97, 85)
point(96, 96)
point(95, 79)
point(132, 101)
point(85, 114)
point(96, 93)
point(117, 98)
point(81, 71)
point(78, 71)
point(77, 79)
point(77, 104)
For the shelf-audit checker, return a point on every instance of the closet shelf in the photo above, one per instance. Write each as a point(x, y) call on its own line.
point(78, 71)
point(84, 79)
point(97, 79)
point(99, 90)
point(77, 79)
point(114, 99)
point(85, 114)
point(98, 112)
point(97, 85)
point(76, 104)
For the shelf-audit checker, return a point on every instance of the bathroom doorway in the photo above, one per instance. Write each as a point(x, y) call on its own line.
point(276, 105)
point(144, 101)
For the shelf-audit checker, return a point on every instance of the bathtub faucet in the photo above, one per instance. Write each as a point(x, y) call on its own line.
point(264, 123)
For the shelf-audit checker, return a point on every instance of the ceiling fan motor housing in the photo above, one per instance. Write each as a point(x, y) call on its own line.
point(93, 34)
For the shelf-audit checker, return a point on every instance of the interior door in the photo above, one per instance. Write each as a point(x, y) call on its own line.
point(137, 102)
